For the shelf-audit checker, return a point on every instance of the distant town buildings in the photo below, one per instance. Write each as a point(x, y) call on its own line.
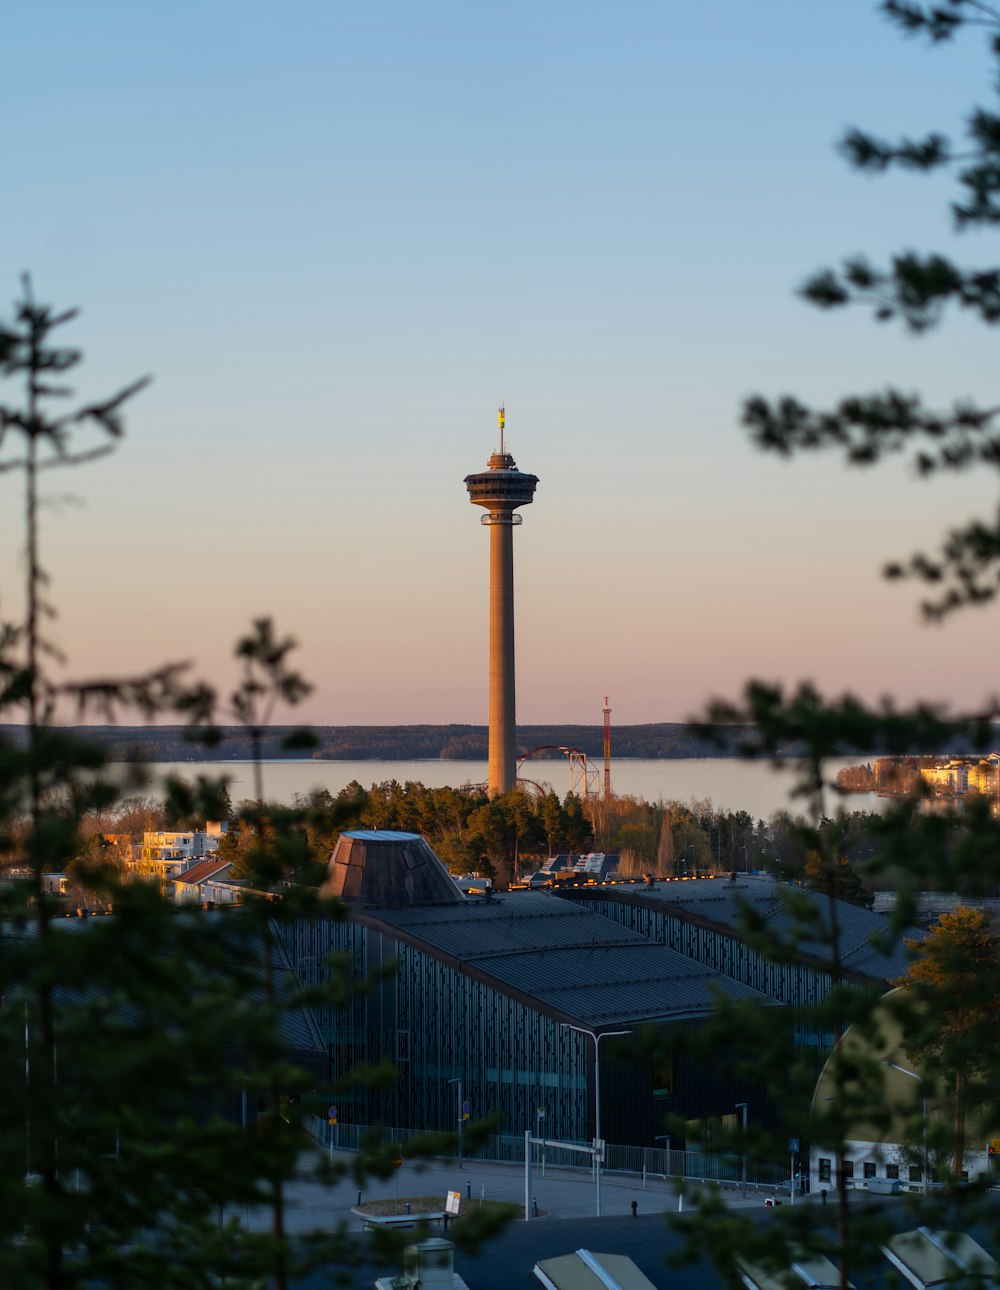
point(939, 776)
point(164, 855)
point(182, 844)
point(958, 776)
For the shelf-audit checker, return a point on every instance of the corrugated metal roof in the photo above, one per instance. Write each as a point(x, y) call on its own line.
point(568, 958)
point(722, 902)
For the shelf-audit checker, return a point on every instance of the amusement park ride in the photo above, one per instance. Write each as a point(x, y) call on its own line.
point(584, 780)
point(584, 777)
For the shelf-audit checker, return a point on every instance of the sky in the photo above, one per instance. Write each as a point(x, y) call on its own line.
point(330, 231)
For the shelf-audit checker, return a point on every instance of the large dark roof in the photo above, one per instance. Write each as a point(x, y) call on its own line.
point(867, 947)
point(567, 961)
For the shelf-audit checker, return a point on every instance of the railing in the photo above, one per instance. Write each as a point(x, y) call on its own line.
point(507, 1148)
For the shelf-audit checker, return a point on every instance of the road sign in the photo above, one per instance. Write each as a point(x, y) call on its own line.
point(793, 1144)
point(333, 1115)
point(466, 1110)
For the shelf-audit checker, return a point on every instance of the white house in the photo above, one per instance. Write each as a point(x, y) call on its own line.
point(902, 1157)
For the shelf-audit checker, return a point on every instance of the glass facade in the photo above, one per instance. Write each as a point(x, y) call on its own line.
point(437, 1024)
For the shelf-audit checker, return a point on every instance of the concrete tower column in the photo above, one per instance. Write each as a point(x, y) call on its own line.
point(501, 489)
point(503, 723)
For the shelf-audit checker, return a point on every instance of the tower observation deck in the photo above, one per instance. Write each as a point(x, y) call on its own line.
point(501, 489)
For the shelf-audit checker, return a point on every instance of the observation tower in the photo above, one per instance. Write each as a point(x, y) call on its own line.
point(501, 489)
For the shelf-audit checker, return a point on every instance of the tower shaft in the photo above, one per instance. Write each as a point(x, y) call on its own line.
point(503, 721)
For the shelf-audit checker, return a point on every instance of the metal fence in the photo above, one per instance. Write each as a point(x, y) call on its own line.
point(508, 1148)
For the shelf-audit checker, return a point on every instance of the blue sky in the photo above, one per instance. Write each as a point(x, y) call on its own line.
point(326, 229)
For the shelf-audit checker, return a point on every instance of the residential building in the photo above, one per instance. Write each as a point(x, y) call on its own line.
point(196, 884)
point(169, 852)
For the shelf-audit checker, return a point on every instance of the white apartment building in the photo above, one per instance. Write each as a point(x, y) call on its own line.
point(172, 851)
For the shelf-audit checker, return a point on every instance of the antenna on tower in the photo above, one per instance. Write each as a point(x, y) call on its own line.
point(500, 410)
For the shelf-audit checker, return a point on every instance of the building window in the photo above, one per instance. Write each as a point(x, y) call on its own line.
point(916, 1173)
point(869, 1169)
point(892, 1171)
point(825, 1172)
point(848, 1168)
point(663, 1074)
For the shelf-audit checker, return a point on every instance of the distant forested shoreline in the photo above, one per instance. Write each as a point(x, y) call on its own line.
point(662, 740)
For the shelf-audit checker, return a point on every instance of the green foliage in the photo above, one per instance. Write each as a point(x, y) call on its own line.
point(917, 288)
point(132, 1039)
point(950, 1010)
point(951, 849)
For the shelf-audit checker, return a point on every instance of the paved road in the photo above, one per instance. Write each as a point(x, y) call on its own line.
point(560, 1193)
point(567, 1197)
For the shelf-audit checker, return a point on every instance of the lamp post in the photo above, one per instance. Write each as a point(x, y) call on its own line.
point(598, 1143)
point(458, 1081)
point(743, 1158)
point(913, 1075)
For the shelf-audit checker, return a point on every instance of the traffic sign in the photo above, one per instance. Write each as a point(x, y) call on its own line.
point(333, 1115)
point(793, 1144)
point(466, 1110)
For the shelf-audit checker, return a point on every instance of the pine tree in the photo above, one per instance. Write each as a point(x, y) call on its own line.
point(130, 1041)
point(954, 983)
point(954, 850)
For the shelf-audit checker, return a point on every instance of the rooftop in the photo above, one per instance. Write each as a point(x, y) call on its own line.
point(573, 963)
point(867, 948)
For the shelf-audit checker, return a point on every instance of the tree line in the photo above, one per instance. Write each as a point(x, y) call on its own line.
point(227, 742)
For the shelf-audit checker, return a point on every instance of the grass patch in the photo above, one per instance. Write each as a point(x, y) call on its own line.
point(500, 1209)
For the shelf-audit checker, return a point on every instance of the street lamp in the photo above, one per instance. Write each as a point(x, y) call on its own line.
point(461, 1104)
point(913, 1075)
point(743, 1159)
point(598, 1143)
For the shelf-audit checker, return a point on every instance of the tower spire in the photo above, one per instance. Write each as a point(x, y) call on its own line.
point(501, 419)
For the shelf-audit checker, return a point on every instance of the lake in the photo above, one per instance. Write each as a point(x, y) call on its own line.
point(730, 784)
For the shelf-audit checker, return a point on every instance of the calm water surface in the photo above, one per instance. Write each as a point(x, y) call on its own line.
point(730, 784)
